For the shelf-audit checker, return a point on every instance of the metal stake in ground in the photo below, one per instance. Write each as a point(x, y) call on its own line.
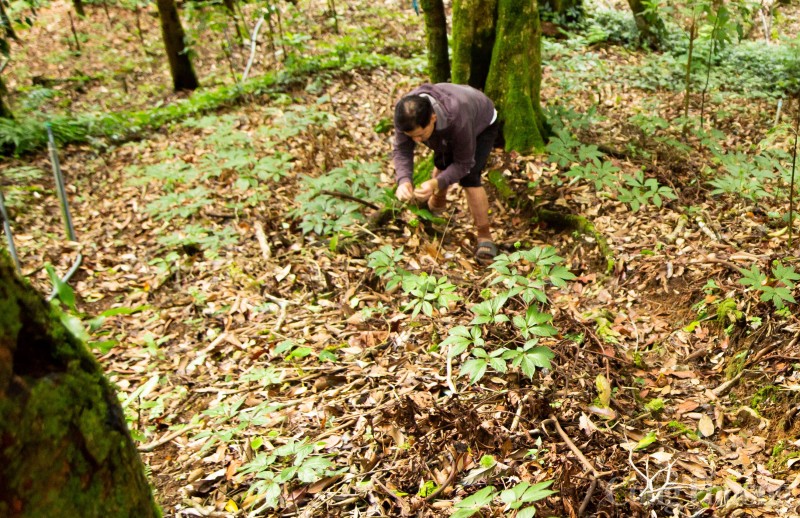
point(60, 189)
point(62, 197)
point(9, 236)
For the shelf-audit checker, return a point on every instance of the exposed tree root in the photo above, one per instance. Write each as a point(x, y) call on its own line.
point(559, 220)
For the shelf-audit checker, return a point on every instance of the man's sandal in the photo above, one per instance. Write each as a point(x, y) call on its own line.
point(486, 252)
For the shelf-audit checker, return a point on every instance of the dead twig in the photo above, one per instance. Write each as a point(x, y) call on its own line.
point(266, 251)
point(578, 453)
point(344, 196)
point(450, 478)
point(725, 387)
point(170, 436)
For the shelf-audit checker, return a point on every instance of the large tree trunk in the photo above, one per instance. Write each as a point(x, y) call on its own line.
point(64, 446)
point(183, 76)
point(436, 30)
point(651, 26)
point(473, 40)
point(515, 76)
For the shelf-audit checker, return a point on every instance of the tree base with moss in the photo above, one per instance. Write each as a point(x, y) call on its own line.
point(65, 448)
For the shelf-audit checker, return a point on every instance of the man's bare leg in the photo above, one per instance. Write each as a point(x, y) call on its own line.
point(479, 208)
point(438, 202)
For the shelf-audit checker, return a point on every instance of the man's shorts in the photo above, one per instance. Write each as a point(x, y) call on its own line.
point(483, 146)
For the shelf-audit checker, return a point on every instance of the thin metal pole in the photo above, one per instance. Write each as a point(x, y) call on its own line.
point(62, 191)
point(9, 236)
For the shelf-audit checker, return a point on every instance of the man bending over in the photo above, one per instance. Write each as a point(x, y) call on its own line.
point(459, 123)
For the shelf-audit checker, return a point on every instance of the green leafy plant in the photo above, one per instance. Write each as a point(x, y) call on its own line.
point(326, 214)
point(523, 494)
point(474, 503)
point(641, 191)
point(427, 292)
point(776, 289)
point(300, 465)
point(526, 273)
point(601, 174)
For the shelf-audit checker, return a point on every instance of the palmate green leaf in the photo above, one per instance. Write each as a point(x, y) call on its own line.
point(785, 274)
point(475, 369)
point(752, 277)
point(488, 311)
point(777, 295)
point(534, 323)
point(533, 357)
point(538, 492)
point(313, 469)
point(473, 503)
point(461, 337)
point(559, 275)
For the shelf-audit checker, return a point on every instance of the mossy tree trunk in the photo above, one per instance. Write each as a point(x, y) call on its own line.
point(515, 75)
point(497, 48)
point(473, 40)
point(183, 76)
point(64, 446)
point(651, 27)
point(436, 30)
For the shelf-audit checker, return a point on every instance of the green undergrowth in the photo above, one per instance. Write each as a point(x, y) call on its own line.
point(737, 66)
point(27, 132)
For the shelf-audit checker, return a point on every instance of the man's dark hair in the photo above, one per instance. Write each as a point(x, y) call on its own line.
point(412, 112)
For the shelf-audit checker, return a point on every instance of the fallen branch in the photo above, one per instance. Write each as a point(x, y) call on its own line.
point(170, 436)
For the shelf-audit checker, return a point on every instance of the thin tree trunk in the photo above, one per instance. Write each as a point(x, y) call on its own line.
point(66, 450)
point(5, 111)
point(436, 30)
point(651, 26)
point(230, 6)
point(473, 40)
point(514, 79)
point(6, 21)
point(183, 76)
point(79, 8)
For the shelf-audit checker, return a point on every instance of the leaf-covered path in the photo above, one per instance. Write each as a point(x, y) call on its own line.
point(269, 369)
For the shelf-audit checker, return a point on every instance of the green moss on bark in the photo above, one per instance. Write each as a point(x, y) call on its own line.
point(514, 80)
point(64, 446)
point(473, 40)
point(436, 32)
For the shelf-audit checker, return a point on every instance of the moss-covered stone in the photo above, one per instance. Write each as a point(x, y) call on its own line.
point(64, 446)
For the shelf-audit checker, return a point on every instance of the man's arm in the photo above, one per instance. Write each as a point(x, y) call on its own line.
point(403, 157)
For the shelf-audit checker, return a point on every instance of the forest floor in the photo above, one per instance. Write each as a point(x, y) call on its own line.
point(235, 337)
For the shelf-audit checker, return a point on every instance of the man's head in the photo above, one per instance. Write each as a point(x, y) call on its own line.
point(415, 117)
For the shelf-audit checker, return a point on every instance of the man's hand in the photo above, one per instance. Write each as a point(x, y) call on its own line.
point(426, 189)
point(405, 191)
